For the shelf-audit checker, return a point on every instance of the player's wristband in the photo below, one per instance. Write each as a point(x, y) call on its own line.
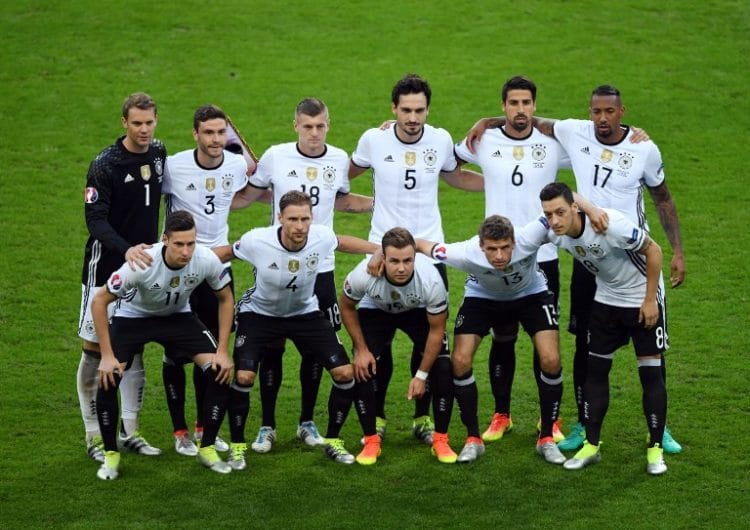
point(421, 375)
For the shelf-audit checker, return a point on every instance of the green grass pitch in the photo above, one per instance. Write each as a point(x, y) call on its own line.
point(66, 66)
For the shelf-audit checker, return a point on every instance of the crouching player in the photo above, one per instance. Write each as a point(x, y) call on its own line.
point(412, 297)
point(153, 305)
point(282, 305)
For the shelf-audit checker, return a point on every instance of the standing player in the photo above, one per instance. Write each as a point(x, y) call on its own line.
point(154, 306)
point(407, 161)
point(517, 161)
point(123, 191)
point(504, 286)
point(318, 169)
point(202, 181)
point(612, 173)
point(412, 297)
point(281, 305)
point(629, 303)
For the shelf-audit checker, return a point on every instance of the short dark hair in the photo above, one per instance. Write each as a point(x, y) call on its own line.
point(496, 227)
point(139, 100)
point(605, 90)
point(554, 190)
point(205, 113)
point(294, 198)
point(179, 221)
point(411, 84)
point(398, 237)
point(310, 107)
point(518, 82)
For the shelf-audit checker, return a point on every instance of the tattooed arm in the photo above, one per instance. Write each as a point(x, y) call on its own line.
point(668, 216)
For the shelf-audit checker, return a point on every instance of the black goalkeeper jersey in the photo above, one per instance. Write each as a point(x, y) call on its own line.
point(122, 196)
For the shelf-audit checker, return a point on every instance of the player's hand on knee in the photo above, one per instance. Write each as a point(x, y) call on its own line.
point(364, 365)
point(106, 372)
point(222, 365)
point(136, 256)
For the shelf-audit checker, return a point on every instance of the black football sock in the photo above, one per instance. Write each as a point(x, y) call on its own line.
point(364, 403)
point(239, 408)
point(270, 373)
point(339, 403)
point(199, 383)
point(654, 398)
point(310, 372)
point(550, 395)
point(502, 364)
point(214, 405)
point(580, 367)
point(173, 377)
point(382, 380)
point(107, 412)
point(441, 381)
point(596, 394)
point(467, 397)
point(422, 404)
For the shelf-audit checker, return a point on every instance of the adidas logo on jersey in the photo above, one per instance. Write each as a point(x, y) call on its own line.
point(129, 178)
point(497, 154)
point(273, 267)
point(155, 286)
point(389, 158)
point(585, 150)
point(190, 187)
point(292, 174)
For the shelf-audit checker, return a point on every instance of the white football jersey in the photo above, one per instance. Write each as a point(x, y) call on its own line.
point(425, 289)
point(405, 180)
point(515, 171)
point(613, 257)
point(284, 279)
point(161, 290)
point(611, 176)
point(522, 277)
point(323, 178)
point(205, 193)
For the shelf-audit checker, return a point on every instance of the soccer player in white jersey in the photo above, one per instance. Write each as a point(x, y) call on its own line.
point(412, 297)
point(504, 285)
point(612, 172)
point(153, 305)
point(202, 181)
point(517, 161)
point(282, 304)
point(407, 162)
point(311, 166)
point(629, 304)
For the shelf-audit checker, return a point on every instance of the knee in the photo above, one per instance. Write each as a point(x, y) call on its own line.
point(549, 361)
point(245, 377)
point(343, 374)
point(461, 363)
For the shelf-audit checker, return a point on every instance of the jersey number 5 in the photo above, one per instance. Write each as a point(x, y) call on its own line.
point(410, 181)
